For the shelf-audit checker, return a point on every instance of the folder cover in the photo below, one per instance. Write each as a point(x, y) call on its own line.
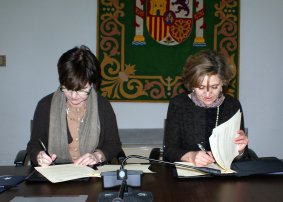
point(264, 165)
point(8, 181)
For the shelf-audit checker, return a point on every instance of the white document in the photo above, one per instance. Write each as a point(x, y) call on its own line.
point(66, 172)
point(223, 148)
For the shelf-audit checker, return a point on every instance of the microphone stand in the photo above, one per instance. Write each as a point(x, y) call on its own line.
point(121, 176)
point(122, 190)
point(202, 169)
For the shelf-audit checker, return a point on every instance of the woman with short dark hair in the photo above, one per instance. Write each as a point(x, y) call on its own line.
point(75, 122)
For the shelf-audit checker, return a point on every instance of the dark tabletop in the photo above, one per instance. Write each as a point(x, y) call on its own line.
point(163, 185)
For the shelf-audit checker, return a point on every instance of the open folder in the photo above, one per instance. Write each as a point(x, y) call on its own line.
point(224, 152)
point(260, 166)
point(222, 147)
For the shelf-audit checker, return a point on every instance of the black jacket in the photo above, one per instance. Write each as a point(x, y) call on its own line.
point(188, 124)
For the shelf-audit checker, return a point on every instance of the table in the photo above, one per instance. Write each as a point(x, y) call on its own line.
point(163, 186)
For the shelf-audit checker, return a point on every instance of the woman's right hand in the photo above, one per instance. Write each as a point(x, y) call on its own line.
point(44, 160)
point(198, 158)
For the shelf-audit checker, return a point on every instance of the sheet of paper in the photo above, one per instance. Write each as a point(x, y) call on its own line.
point(221, 141)
point(65, 172)
point(187, 172)
point(80, 198)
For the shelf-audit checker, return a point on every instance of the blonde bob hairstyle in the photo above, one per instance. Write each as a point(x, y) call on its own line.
point(206, 62)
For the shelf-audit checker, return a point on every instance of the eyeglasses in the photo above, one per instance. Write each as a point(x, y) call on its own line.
point(84, 92)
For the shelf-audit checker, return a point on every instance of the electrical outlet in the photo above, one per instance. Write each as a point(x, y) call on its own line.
point(2, 60)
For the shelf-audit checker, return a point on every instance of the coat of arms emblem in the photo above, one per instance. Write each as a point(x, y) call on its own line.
point(169, 22)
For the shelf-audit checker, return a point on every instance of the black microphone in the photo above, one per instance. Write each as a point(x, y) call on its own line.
point(202, 169)
point(124, 178)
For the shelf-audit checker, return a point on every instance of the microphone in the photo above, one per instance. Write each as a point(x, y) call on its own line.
point(114, 178)
point(124, 178)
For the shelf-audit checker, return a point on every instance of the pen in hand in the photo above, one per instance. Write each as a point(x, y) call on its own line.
point(201, 147)
point(45, 150)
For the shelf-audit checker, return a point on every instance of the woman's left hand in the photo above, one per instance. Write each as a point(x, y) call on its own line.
point(241, 141)
point(89, 159)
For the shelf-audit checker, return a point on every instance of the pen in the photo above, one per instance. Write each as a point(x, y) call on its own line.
point(44, 149)
point(201, 147)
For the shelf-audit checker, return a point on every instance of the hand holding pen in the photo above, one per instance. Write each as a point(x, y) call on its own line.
point(43, 157)
point(203, 159)
point(201, 147)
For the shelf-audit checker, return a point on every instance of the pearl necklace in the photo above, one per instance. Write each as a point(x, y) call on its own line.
point(217, 117)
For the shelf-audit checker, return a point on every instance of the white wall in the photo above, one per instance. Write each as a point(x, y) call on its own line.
point(261, 74)
point(34, 33)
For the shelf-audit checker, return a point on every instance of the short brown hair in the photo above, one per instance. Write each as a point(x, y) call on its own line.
point(206, 62)
point(77, 67)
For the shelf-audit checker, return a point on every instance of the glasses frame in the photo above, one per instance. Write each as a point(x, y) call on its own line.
point(65, 90)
